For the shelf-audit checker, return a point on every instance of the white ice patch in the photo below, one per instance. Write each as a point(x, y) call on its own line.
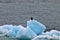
point(52, 35)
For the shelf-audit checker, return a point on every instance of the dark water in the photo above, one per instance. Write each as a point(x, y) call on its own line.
point(7, 38)
point(18, 12)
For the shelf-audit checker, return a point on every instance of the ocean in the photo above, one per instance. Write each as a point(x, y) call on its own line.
point(18, 12)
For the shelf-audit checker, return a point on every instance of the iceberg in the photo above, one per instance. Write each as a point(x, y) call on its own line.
point(34, 30)
point(36, 26)
point(31, 32)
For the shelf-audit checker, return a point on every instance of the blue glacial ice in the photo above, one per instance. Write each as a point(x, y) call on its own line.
point(26, 33)
point(36, 26)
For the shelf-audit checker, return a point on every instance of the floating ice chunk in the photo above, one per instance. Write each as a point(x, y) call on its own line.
point(36, 26)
